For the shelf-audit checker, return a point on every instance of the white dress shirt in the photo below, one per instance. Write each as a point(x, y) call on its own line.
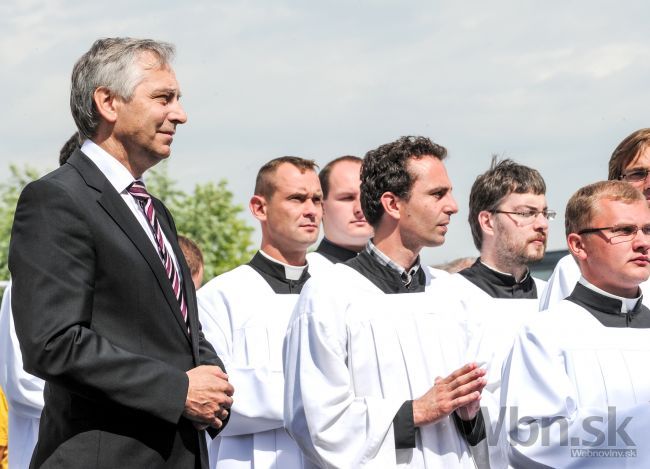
point(120, 178)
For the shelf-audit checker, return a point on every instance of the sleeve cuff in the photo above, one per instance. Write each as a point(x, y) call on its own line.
point(403, 427)
point(472, 430)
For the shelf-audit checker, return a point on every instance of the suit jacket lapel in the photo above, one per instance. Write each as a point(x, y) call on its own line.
point(113, 204)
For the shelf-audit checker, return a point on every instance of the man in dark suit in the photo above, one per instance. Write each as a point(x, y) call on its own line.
point(104, 305)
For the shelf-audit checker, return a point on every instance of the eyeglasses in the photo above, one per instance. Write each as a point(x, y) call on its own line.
point(529, 216)
point(620, 233)
point(636, 175)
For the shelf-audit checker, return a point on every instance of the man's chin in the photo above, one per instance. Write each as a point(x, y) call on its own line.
point(158, 156)
point(308, 241)
point(435, 242)
point(535, 254)
point(359, 232)
point(358, 239)
point(641, 274)
point(161, 151)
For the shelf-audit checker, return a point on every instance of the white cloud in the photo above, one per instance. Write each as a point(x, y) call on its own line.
point(553, 85)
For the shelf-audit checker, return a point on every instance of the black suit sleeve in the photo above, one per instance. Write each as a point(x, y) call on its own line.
point(53, 264)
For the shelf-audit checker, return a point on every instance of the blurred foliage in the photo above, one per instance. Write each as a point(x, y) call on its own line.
point(9, 193)
point(207, 216)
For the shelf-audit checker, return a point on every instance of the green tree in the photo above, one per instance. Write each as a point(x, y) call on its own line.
point(9, 193)
point(207, 216)
point(160, 184)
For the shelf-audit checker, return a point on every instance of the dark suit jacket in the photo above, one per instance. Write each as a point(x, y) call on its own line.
point(97, 319)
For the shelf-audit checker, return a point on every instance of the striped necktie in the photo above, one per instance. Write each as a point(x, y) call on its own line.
point(138, 190)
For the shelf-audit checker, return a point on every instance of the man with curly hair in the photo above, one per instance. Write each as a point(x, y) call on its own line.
point(374, 371)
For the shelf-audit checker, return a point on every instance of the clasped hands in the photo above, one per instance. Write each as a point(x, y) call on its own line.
point(459, 392)
point(209, 397)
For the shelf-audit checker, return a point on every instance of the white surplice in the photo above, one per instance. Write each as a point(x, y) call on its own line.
point(318, 263)
point(563, 280)
point(492, 325)
point(566, 367)
point(353, 355)
point(24, 392)
point(245, 321)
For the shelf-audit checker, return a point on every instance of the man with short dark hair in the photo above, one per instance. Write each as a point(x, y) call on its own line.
point(194, 258)
point(508, 217)
point(575, 386)
point(101, 297)
point(69, 147)
point(245, 312)
point(365, 349)
point(630, 162)
point(345, 228)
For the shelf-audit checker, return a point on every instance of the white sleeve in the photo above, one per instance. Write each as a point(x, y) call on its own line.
point(561, 283)
point(24, 391)
point(258, 402)
point(332, 426)
point(545, 421)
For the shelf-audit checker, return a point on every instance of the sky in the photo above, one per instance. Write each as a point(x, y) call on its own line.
point(552, 85)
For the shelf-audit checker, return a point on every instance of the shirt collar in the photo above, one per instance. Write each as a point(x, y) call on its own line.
point(116, 173)
point(291, 272)
point(627, 304)
point(499, 284)
point(334, 252)
point(386, 261)
point(509, 278)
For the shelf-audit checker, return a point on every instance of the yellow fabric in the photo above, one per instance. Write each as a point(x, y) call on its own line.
point(4, 431)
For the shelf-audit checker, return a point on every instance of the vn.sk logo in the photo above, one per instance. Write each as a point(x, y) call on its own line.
point(591, 436)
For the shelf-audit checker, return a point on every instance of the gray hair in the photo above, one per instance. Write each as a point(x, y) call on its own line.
point(112, 63)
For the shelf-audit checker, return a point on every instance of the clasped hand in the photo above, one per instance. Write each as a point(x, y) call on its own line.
point(459, 392)
point(209, 397)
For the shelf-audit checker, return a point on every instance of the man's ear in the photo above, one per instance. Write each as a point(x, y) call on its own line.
point(105, 102)
point(576, 246)
point(391, 204)
point(486, 222)
point(257, 207)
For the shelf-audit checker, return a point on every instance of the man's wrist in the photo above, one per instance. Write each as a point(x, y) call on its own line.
point(420, 413)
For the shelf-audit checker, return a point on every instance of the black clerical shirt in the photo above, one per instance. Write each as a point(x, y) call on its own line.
point(608, 310)
point(333, 252)
point(275, 275)
point(498, 284)
point(386, 277)
point(391, 278)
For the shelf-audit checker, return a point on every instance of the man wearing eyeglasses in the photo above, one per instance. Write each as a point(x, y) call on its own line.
point(509, 222)
point(509, 218)
point(575, 387)
point(630, 162)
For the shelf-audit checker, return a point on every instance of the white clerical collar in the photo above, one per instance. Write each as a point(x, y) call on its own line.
point(291, 272)
point(627, 304)
point(116, 173)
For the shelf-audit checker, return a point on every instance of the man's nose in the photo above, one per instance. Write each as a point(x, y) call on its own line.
point(177, 114)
